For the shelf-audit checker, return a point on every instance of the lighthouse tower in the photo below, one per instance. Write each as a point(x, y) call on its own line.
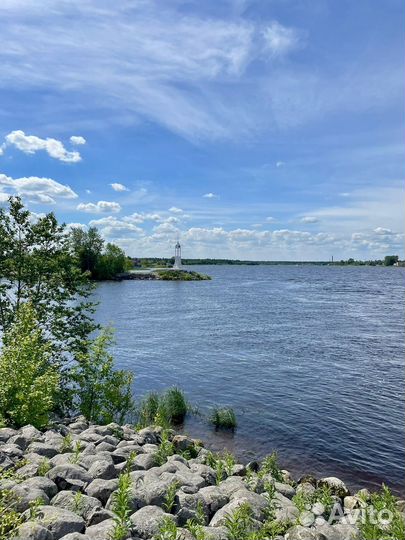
point(177, 256)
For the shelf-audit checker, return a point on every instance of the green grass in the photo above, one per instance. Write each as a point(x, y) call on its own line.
point(166, 449)
point(165, 410)
point(270, 466)
point(170, 498)
point(167, 530)
point(43, 467)
point(181, 275)
point(121, 505)
point(223, 418)
point(383, 502)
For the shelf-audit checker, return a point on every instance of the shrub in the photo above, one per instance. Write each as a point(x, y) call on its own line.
point(101, 393)
point(175, 404)
point(29, 381)
point(270, 466)
point(223, 418)
point(121, 505)
point(383, 502)
point(163, 409)
point(10, 519)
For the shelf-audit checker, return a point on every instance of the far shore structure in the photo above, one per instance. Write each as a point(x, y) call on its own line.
point(177, 256)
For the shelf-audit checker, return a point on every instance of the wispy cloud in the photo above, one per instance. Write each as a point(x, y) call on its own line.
point(210, 196)
point(279, 39)
point(118, 187)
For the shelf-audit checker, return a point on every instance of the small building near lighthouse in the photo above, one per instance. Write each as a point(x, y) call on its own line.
point(177, 256)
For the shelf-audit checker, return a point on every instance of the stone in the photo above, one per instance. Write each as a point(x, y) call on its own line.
point(43, 483)
point(80, 504)
point(59, 521)
point(105, 447)
point(214, 498)
point(149, 448)
point(350, 502)
point(238, 470)
point(101, 489)
point(306, 488)
point(69, 476)
point(144, 462)
point(285, 489)
point(306, 518)
point(147, 520)
point(43, 449)
point(31, 530)
point(103, 469)
point(215, 533)
point(5, 462)
point(253, 466)
point(182, 443)
point(231, 485)
point(308, 479)
point(6, 433)
point(11, 450)
point(98, 515)
point(75, 536)
point(187, 506)
point(149, 435)
point(206, 472)
point(339, 532)
point(61, 459)
point(25, 496)
point(101, 531)
point(298, 532)
point(318, 509)
point(336, 486)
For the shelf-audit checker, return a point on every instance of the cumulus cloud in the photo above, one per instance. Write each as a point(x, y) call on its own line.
point(210, 196)
point(29, 144)
point(77, 140)
point(36, 189)
point(280, 39)
point(309, 219)
point(100, 207)
point(383, 231)
point(175, 210)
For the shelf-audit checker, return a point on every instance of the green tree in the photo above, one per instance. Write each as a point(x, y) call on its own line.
point(29, 380)
point(390, 260)
point(87, 246)
point(101, 393)
point(37, 266)
point(111, 262)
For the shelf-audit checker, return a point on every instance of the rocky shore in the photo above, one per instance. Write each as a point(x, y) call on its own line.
point(168, 274)
point(70, 474)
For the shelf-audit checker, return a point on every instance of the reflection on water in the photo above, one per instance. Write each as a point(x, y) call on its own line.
point(311, 359)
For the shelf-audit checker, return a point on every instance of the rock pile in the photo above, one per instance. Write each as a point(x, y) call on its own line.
point(74, 467)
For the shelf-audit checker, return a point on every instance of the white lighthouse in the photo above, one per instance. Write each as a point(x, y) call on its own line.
point(177, 256)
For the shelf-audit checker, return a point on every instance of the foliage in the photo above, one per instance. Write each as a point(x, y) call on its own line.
point(67, 444)
point(166, 449)
point(37, 266)
point(43, 467)
point(383, 502)
point(99, 261)
point(223, 418)
point(163, 409)
point(10, 519)
point(121, 504)
point(181, 275)
point(171, 496)
point(239, 523)
point(29, 380)
point(304, 501)
point(101, 393)
point(270, 466)
point(390, 260)
point(76, 449)
point(167, 530)
point(195, 525)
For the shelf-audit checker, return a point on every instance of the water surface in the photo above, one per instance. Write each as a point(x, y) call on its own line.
point(311, 358)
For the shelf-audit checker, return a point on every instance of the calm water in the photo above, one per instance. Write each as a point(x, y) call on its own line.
point(311, 359)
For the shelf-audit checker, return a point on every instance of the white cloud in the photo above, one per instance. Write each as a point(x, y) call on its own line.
point(118, 187)
point(279, 39)
point(383, 231)
point(36, 189)
point(88, 191)
point(270, 219)
point(29, 144)
point(99, 207)
point(309, 219)
point(210, 196)
point(175, 210)
point(77, 140)
point(280, 164)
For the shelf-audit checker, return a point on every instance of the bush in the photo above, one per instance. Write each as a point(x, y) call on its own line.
point(163, 409)
point(29, 381)
point(223, 418)
point(101, 393)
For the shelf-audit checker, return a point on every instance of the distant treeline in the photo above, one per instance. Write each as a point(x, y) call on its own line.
point(144, 262)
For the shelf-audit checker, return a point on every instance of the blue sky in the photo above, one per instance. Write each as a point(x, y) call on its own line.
point(252, 129)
